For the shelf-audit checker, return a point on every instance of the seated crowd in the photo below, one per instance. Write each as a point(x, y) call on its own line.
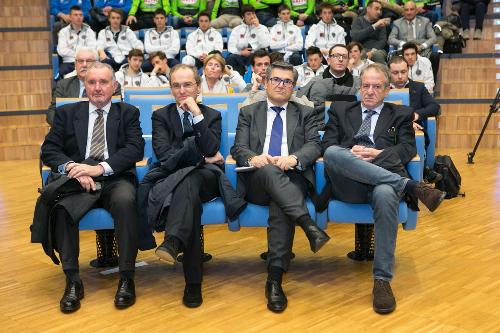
point(93, 145)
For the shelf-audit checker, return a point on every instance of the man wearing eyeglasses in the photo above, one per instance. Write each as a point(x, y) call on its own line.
point(336, 83)
point(278, 138)
point(186, 140)
point(366, 147)
point(74, 87)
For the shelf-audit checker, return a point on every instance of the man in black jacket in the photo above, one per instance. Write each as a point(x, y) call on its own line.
point(186, 135)
point(96, 144)
point(366, 147)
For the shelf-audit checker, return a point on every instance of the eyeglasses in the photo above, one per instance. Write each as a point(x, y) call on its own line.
point(276, 81)
point(340, 57)
point(88, 61)
point(187, 85)
point(377, 87)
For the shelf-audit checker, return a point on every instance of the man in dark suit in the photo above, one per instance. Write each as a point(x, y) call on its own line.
point(74, 87)
point(186, 135)
point(97, 144)
point(279, 138)
point(367, 145)
point(422, 103)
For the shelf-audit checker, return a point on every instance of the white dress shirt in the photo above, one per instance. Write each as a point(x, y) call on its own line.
point(269, 127)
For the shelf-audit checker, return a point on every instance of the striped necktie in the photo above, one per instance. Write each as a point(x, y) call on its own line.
point(363, 136)
point(98, 139)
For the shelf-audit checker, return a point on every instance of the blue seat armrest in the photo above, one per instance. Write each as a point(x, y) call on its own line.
point(415, 169)
point(142, 168)
point(230, 169)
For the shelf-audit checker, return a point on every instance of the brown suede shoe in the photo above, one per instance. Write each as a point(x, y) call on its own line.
point(383, 299)
point(430, 196)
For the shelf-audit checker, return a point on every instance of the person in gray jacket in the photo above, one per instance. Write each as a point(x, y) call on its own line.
point(370, 30)
point(336, 84)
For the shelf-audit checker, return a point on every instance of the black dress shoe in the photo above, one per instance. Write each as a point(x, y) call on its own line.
point(167, 251)
point(192, 295)
point(276, 299)
point(125, 294)
point(263, 255)
point(317, 237)
point(383, 298)
point(73, 293)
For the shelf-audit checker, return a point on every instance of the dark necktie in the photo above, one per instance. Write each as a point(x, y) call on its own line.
point(186, 123)
point(84, 93)
point(276, 133)
point(98, 140)
point(363, 136)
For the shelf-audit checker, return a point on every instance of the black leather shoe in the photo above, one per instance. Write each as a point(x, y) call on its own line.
point(317, 237)
point(125, 294)
point(383, 298)
point(167, 252)
point(192, 295)
point(73, 293)
point(263, 255)
point(276, 298)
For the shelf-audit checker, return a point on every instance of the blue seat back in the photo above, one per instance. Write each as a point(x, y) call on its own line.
point(161, 91)
point(233, 102)
point(145, 105)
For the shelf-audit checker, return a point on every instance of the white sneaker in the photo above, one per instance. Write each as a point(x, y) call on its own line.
point(466, 34)
point(478, 34)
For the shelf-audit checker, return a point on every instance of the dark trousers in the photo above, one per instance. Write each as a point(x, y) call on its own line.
point(238, 62)
point(285, 194)
point(118, 197)
point(184, 218)
point(65, 68)
point(479, 8)
point(116, 66)
point(147, 66)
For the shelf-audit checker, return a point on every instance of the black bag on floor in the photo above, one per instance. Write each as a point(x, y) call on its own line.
point(454, 44)
point(451, 177)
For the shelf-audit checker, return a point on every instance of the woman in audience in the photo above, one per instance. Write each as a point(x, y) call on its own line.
point(218, 77)
point(357, 58)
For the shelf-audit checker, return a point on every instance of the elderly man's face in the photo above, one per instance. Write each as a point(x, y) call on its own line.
point(410, 11)
point(374, 88)
point(82, 62)
point(279, 86)
point(100, 85)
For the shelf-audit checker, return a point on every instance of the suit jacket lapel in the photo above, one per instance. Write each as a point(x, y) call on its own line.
point(354, 117)
point(81, 125)
point(112, 125)
point(384, 119)
point(261, 123)
point(175, 120)
point(292, 119)
point(74, 87)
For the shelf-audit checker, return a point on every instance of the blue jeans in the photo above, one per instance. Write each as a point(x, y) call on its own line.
point(384, 198)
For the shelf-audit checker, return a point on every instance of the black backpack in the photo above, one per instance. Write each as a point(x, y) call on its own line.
point(451, 177)
point(454, 44)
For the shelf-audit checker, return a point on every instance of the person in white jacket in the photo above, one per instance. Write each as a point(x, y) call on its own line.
point(162, 38)
point(218, 77)
point(74, 35)
point(286, 37)
point(420, 67)
point(245, 39)
point(202, 41)
point(131, 75)
point(327, 32)
point(115, 41)
point(312, 68)
point(160, 75)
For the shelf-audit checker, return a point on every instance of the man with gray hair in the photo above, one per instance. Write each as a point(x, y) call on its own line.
point(74, 87)
point(91, 149)
point(278, 139)
point(366, 147)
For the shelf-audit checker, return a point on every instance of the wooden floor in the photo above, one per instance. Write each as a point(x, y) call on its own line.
point(447, 274)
